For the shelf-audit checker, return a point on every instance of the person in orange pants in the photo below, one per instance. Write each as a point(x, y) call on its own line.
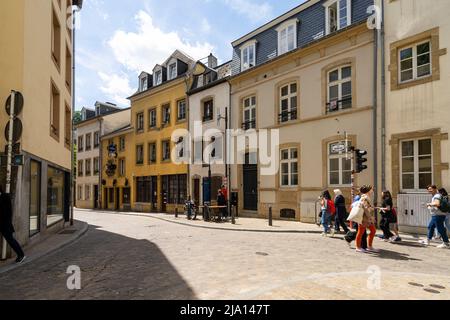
point(368, 221)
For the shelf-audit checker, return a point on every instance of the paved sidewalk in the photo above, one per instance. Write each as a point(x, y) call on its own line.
point(242, 224)
point(48, 246)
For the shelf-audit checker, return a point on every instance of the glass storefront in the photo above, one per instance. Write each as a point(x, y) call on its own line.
point(35, 198)
point(55, 195)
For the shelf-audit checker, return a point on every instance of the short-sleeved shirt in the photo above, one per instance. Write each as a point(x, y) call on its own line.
point(435, 211)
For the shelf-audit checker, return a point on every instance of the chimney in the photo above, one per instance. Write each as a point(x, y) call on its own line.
point(212, 61)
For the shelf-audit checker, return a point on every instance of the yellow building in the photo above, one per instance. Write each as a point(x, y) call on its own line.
point(151, 180)
point(36, 60)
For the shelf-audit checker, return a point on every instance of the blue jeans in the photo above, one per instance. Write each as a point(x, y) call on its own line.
point(326, 220)
point(438, 222)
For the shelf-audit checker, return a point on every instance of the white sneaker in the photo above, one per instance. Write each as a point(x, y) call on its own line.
point(425, 242)
point(373, 250)
point(333, 232)
point(444, 246)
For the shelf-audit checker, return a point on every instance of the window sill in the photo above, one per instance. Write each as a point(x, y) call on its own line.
point(180, 121)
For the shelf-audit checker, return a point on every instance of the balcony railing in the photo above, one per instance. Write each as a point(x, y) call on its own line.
point(338, 105)
point(249, 125)
point(287, 116)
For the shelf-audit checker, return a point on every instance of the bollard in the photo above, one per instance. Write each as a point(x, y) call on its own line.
point(176, 212)
point(233, 216)
point(270, 217)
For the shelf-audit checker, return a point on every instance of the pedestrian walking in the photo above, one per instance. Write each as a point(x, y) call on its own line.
point(387, 216)
point(351, 235)
point(221, 202)
point(445, 197)
point(437, 218)
point(6, 225)
point(341, 212)
point(368, 221)
point(327, 208)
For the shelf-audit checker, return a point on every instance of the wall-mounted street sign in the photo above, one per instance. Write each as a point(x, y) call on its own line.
point(18, 160)
point(17, 130)
point(18, 104)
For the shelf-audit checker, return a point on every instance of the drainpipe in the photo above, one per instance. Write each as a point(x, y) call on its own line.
point(383, 100)
point(100, 166)
point(375, 114)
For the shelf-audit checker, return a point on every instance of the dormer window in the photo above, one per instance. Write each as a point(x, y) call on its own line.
point(248, 55)
point(158, 77)
point(338, 15)
point(173, 71)
point(287, 36)
point(144, 84)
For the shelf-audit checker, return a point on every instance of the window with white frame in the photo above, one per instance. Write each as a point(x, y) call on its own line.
point(339, 89)
point(416, 164)
point(96, 166)
point(122, 167)
point(140, 122)
point(158, 77)
point(249, 110)
point(181, 110)
point(80, 192)
point(152, 118)
point(140, 154)
point(172, 71)
point(248, 55)
point(166, 150)
point(144, 83)
point(415, 62)
point(287, 37)
point(166, 114)
point(288, 102)
point(87, 189)
point(289, 167)
point(338, 15)
point(339, 165)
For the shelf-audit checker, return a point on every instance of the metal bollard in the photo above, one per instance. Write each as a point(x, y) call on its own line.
point(233, 216)
point(270, 217)
point(176, 212)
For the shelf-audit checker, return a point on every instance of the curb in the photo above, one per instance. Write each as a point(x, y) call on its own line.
point(62, 245)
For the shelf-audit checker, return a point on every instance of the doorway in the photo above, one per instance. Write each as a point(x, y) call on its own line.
point(250, 184)
point(95, 197)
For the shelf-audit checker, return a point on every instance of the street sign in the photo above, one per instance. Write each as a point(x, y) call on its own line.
point(18, 160)
point(18, 104)
point(337, 148)
point(17, 130)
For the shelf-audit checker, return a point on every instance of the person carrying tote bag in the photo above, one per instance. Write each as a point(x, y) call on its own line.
point(357, 213)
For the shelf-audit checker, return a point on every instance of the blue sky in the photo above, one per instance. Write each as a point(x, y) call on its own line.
point(117, 39)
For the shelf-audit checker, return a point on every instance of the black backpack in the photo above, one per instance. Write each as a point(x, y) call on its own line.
point(445, 205)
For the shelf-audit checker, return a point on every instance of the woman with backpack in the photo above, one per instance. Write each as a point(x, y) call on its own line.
point(368, 221)
point(444, 195)
point(327, 206)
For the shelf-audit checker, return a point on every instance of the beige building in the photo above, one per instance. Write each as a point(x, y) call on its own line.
point(36, 60)
point(417, 117)
point(104, 119)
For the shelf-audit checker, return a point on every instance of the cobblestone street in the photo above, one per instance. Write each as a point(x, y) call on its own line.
point(133, 257)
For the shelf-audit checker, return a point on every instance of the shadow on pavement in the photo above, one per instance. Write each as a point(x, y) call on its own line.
point(112, 267)
point(387, 254)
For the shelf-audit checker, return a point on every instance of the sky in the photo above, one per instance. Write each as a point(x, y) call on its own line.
point(116, 40)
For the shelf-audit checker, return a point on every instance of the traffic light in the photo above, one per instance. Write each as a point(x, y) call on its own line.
point(360, 160)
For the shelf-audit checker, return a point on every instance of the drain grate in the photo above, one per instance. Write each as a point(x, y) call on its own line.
point(262, 254)
point(68, 232)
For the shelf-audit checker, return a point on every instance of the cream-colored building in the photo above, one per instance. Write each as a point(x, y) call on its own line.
point(417, 125)
point(209, 98)
point(36, 60)
point(314, 88)
point(105, 119)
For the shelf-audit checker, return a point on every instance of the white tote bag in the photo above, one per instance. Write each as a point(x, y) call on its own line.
point(357, 213)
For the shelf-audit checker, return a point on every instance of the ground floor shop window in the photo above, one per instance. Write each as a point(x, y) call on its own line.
point(55, 195)
point(35, 198)
point(143, 190)
point(177, 189)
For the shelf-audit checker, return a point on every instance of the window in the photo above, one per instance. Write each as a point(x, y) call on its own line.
point(338, 15)
point(68, 68)
point(158, 77)
point(177, 187)
point(249, 115)
point(96, 140)
point(80, 192)
point(415, 62)
point(80, 144)
point(67, 126)
point(122, 144)
point(339, 89)
point(152, 118)
point(248, 56)
point(56, 39)
point(122, 167)
point(88, 167)
point(289, 167)
point(144, 83)
point(217, 151)
point(288, 102)
point(111, 195)
point(35, 197)
point(140, 122)
point(87, 190)
point(166, 114)
point(152, 153)
point(80, 168)
point(55, 109)
point(208, 110)
point(55, 195)
point(96, 166)
point(139, 154)
point(143, 189)
point(173, 71)
point(287, 37)
point(416, 164)
point(88, 142)
point(339, 166)
point(166, 150)
point(181, 110)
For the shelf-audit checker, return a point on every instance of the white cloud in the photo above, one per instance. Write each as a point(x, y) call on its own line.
point(255, 11)
point(142, 50)
point(205, 26)
point(116, 87)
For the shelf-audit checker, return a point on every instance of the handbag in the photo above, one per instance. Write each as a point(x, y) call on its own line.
point(357, 213)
